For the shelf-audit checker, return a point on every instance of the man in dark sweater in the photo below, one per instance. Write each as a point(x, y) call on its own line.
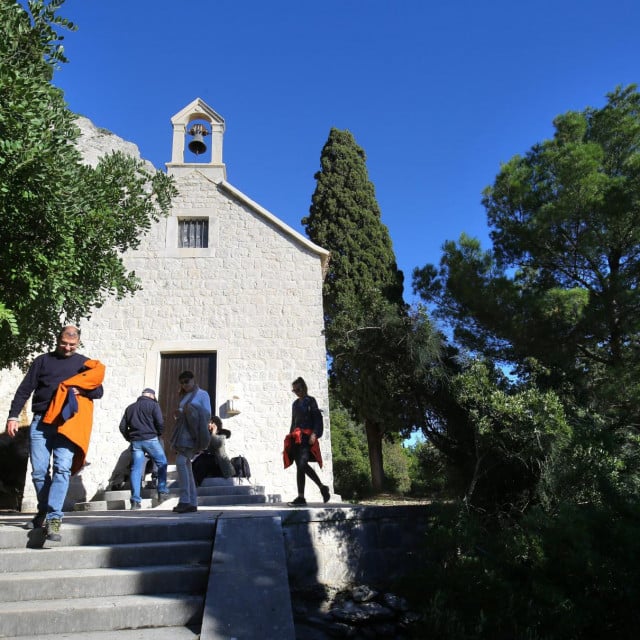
point(142, 425)
point(42, 379)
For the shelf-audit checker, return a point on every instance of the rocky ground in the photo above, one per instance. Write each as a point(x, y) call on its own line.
point(359, 612)
point(392, 500)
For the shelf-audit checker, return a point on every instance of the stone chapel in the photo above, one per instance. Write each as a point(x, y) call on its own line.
point(230, 292)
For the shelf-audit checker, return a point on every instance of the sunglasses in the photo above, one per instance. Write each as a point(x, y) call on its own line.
point(296, 389)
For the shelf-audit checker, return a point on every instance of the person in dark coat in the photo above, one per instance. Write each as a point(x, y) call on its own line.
point(142, 425)
point(301, 444)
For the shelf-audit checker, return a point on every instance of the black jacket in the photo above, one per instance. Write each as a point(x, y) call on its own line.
point(142, 420)
point(43, 377)
point(306, 415)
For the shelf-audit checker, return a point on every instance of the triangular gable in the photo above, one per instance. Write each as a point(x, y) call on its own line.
point(285, 228)
point(197, 110)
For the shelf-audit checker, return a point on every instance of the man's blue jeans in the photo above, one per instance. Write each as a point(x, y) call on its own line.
point(188, 489)
point(138, 463)
point(51, 484)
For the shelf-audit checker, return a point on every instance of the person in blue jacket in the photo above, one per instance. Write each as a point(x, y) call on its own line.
point(184, 438)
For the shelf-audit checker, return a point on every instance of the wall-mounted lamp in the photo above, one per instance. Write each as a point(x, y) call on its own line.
point(233, 406)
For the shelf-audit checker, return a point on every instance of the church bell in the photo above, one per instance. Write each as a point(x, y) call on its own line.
point(197, 145)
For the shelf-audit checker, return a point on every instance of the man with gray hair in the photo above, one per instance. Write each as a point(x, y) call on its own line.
point(142, 425)
point(43, 379)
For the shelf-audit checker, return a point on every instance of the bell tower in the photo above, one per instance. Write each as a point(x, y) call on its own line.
point(201, 124)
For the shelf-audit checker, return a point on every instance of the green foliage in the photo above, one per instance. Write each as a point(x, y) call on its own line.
point(559, 291)
point(488, 439)
point(566, 576)
point(596, 466)
point(515, 429)
point(542, 543)
point(352, 479)
point(9, 318)
point(396, 466)
point(345, 218)
point(557, 298)
point(64, 225)
point(428, 471)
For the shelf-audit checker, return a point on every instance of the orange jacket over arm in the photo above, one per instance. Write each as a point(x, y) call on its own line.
point(295, 437)
point(76, 424)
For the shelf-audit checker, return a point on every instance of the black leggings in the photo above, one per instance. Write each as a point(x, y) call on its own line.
point(301, 455)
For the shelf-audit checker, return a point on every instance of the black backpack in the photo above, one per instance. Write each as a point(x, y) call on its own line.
point(240, 467)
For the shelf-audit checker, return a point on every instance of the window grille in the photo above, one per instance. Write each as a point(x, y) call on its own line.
point(193, 233)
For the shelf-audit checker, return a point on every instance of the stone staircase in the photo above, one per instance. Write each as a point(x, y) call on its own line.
point(211, 493)
point(118, 574)
point(128, 578)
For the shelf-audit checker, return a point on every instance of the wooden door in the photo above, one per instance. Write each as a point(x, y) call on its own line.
point(172, 365)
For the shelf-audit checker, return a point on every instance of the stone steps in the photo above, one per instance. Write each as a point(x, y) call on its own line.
point(101, 582)
point(212, 492)
point(155, 633)
point(109, 575)
point(106, 613)
point(101, 556)
point(119, 574)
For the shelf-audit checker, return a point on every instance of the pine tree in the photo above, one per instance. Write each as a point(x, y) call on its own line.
point(558, 295)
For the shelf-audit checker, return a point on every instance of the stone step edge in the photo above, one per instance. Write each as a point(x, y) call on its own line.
point(102, 613)
point(192, 552)
point(149, 633)
point(169, 503)
point(103, 582)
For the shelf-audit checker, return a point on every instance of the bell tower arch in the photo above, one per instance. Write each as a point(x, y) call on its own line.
point(206, 129)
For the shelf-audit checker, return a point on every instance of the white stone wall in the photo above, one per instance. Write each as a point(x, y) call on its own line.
point(254, 296)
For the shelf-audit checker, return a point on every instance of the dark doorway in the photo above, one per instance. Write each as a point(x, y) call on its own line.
point(14, 453)
point(172, 365)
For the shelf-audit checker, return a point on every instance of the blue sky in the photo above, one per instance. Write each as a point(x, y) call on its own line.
point(438, 94)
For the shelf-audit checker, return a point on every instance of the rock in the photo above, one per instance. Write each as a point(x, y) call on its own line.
point(395, 602)
point(350, 614)
point(340, 630)
point(359, 613)
point(363, 593)
point(95, 142)
point(375, 611)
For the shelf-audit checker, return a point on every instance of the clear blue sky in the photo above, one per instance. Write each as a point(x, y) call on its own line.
point(438, 94)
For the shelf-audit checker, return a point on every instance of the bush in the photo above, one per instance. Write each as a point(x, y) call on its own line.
point(352, 476)
point(572, 575)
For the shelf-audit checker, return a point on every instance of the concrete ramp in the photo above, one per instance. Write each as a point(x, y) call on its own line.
point(248, 595)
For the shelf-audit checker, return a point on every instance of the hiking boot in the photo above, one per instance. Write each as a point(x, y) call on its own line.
point(326, 494)
point(298, 502)
point(37, 521)
point(135, 505)
point(163, 497)
point(53, 529)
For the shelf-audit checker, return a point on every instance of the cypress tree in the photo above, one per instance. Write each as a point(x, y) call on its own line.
point(365, 315)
